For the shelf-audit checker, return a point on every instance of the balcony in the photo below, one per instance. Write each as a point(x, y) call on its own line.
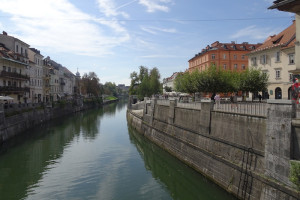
point(62, 83)
point(14, 75)
point(13, 89)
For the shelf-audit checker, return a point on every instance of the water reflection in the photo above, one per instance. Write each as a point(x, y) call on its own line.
point(25, 159)
point(181, 181)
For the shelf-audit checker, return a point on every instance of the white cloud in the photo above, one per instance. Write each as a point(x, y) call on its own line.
point(108, 8)
point(156, 5)
point(154, 30)
point(255, 32)
point(59, 26)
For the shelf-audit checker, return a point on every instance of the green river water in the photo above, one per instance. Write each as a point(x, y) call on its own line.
point(95, 155)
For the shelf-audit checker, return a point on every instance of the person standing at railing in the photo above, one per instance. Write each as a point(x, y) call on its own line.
point(217, 100)
point(233, 100)
point(295, 91)
point(259, 97)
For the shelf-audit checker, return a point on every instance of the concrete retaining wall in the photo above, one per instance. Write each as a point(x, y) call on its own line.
point(16, 124)
point(231, 149)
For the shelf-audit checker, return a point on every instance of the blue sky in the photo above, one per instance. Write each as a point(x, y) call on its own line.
point(114, 37)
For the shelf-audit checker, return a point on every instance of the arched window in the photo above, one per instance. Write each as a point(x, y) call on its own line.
point(278, 93)
point(290, 93)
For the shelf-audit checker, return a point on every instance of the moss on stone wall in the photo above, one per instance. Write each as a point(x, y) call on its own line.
point(295, 173)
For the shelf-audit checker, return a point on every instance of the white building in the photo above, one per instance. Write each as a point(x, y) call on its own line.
point(169, 82)
point(36, 75)
point(14, 79)
point(276, 57)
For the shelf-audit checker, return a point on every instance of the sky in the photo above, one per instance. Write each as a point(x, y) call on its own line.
point(114, 37)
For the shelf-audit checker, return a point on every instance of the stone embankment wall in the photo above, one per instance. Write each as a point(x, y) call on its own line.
point(16, 124)
point(247, 155)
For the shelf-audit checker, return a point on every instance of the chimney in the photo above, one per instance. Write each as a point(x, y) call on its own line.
point(4, 33)
point(216, 43)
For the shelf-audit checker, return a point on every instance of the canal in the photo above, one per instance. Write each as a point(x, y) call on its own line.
point(95, 155)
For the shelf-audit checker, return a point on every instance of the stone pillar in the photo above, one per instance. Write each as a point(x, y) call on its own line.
point(278, 139)
point(171, 116)
point(206, 108)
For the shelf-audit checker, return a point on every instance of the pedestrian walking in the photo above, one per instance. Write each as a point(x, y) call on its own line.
point(233, 100)
point(295, 91)
point(217, 100)
point(259, 97)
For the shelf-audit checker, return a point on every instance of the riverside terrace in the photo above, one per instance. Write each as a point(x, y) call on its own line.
point(249, 149)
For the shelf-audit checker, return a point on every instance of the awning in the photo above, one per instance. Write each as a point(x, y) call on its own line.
point(6, 98)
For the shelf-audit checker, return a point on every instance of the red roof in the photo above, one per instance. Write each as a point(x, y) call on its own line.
point(285, 39)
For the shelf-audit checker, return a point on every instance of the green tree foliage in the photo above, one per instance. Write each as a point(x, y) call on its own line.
point(168, 89)
point(253, 80)
point(216, 80)
point(145, 83)
point(295, 173)
point(110, 88)
point(90, 84)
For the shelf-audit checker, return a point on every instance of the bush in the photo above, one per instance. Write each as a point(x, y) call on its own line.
point(295, 173)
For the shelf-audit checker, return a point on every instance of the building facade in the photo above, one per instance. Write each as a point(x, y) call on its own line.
point(36, 94)
point(169, 82)
point(276, 57)
point(14, 63)
point(292, 6)
point(228, 56)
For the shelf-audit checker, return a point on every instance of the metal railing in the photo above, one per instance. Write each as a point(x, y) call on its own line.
point(249, 108)
point(14, 75)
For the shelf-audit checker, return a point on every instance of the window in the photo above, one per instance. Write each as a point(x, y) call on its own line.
point(14, 70)
point(277, 74)
point(243, 57)
point(22, 50)
point(9, 83)
point(224, 66)
point(263, 59)
point(235, 66)
point(17, 48)
point(291, 59)
point(4, 68)
point(213, 56)
point(278, 56)
point(4, 83)
point(243, 67)
point(234, 57)
point(253, 61)
point(224, 56)
point(9, 69)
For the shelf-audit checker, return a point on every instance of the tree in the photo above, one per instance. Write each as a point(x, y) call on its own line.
point(145, 84)
point(91, 84)
point(110, 88)
point(215, 79)
point(168, 89)
point(253, 80)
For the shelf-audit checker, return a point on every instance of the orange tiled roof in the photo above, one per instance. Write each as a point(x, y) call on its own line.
point(285, 39)
point(245, 46)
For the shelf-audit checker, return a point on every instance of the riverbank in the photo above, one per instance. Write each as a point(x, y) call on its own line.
point(247, 153)
point(21, 119)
